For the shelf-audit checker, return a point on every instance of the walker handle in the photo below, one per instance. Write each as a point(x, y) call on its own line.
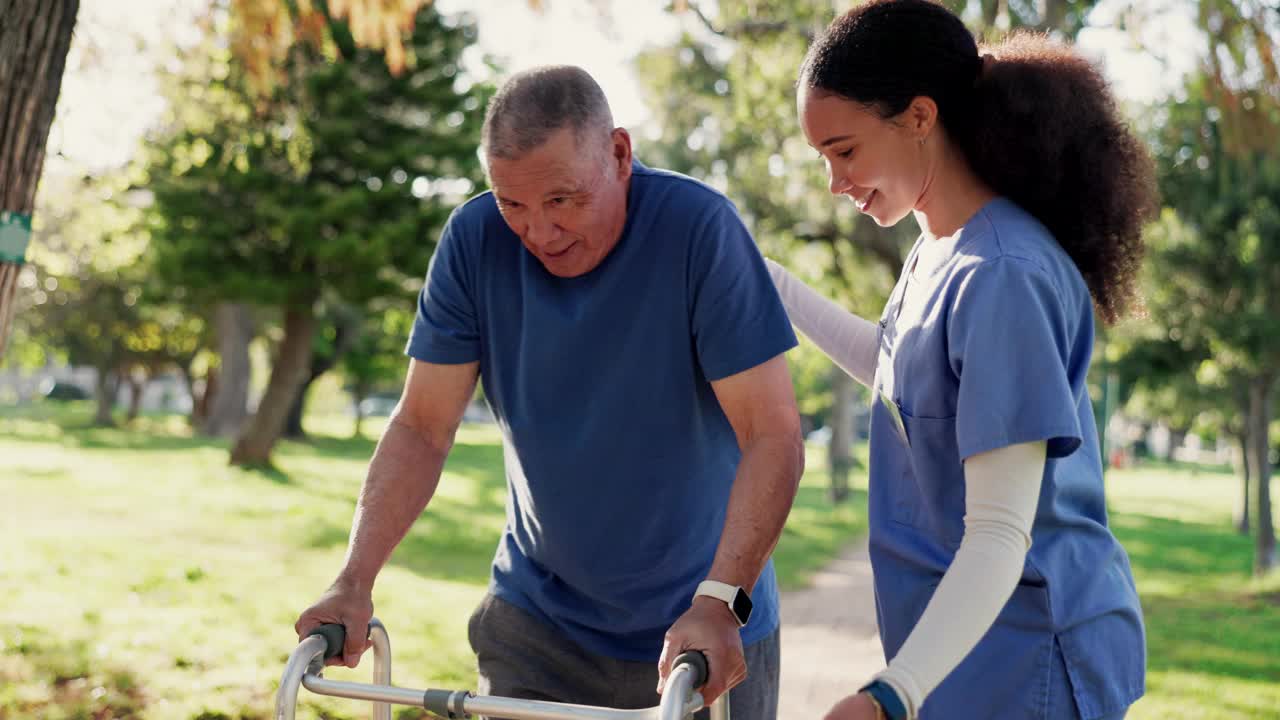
point(700, 669)
point(335, 637)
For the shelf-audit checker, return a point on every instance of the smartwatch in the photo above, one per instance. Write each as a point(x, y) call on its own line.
point(735, 597)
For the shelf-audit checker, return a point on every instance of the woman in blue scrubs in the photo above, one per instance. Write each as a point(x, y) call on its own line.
point(1000, 590)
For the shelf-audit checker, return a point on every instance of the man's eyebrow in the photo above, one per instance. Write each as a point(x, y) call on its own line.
point(567, 190)
point(556, 191)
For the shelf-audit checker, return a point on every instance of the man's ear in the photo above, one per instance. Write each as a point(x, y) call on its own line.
point(620, 152)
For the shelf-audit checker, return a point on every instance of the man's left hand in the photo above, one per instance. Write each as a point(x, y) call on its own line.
point(710, 627)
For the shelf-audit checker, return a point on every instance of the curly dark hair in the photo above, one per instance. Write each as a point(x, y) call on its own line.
point(1037, 122)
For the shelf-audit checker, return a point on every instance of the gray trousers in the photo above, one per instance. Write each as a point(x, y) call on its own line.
point(522, 657)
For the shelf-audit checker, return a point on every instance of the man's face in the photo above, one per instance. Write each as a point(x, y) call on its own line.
point(566, 198)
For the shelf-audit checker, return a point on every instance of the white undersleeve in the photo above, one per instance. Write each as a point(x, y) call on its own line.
point(1002, 488)
point(850, 341)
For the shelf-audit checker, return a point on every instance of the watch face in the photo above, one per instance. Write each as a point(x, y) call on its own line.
point(742, 606)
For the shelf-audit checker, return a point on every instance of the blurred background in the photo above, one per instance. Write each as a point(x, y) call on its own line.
point(232, 205)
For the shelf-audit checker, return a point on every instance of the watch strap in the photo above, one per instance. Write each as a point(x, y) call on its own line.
point(725, 593)
point(717, 590)
point(887, 699)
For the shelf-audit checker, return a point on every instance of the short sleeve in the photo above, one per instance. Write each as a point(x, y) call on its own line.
point(1009, 341)
point(737, 317)
point(445, 331)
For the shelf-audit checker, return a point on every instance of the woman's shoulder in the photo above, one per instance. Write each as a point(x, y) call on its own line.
point(1002, 233)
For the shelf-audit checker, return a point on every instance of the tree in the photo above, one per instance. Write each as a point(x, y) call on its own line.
point(91, 300)
point(1208, 266)
point(1222, 246)
point(1171, 368)
point(339, 189)
point(34, 38)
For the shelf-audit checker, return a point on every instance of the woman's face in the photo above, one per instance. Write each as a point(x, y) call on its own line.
point(877, 163)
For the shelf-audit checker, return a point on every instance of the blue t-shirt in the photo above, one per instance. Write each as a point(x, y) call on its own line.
point(619, 459)
point(987, 344)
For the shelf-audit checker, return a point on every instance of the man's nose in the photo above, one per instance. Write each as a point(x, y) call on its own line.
point(539, 230)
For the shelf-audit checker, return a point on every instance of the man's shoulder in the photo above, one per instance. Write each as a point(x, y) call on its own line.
point(475, 227)
point(670, 190)
point(476, 212)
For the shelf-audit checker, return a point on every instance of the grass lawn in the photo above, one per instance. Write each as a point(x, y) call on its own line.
point(1213, 633)
point(143, 577)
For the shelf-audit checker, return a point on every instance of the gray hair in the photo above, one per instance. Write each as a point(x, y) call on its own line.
point(532, 105)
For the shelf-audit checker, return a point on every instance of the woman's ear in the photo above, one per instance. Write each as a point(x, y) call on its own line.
point(920, 116)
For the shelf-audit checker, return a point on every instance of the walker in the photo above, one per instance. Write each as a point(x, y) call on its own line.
point(306, 665)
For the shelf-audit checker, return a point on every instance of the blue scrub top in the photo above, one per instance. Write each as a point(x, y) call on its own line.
point(987, 344)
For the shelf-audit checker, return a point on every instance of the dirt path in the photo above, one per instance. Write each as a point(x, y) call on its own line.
point(829, 642)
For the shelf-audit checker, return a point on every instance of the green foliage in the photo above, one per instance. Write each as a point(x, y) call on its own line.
point(376, 359)
point(1215, 252)
point(1216, 249)
point(341, 183)
point(1213, 255)
point(92, 298)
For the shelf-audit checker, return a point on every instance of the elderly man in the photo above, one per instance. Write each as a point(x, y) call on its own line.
point(631, 344)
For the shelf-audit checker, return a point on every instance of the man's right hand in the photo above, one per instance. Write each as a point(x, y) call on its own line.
point(343, 604)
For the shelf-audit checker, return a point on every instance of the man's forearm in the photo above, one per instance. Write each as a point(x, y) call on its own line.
point(403, 475)
point(762, 494)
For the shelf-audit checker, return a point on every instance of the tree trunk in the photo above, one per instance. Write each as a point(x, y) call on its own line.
point(136, 386)
point(995, 15)
point(105, 393)
point(200, 412)
point(1242, 512)
point(1052, 13)
point(293, 422)
point(34, 38)
point(359, 395)
point(230, 394)
point(288, 373)
point(840, 449)
point(195, 418)
point(1264, 556)
point(345, 330)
